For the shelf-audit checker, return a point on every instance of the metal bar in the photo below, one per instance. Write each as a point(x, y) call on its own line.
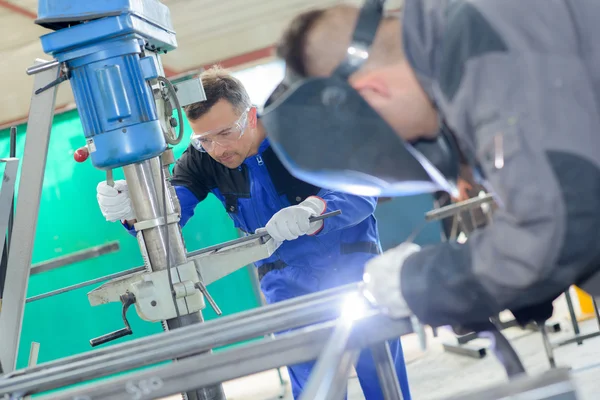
point(596, 311)
point(44, 66)
point(207, 369)
point(554, 384)
point(123, 350)
point(576, 339)
point(388, 379)
point(12, 154)
point(7, 193)
point(252, 237)
point(186, 341)
point(34, 352)
point(505, 353)
point(454, 209)
point(84, 284)
point(572, 315)
point(335, 362)
point(548, 346)
point(34, 158)
point(73, 258)
point(465, 350)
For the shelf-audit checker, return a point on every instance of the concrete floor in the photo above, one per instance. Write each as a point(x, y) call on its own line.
point(436, 375)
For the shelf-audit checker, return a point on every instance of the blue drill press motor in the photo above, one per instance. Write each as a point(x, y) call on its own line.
point(110, 49)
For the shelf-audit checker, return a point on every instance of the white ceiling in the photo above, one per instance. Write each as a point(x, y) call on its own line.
point(207, 31)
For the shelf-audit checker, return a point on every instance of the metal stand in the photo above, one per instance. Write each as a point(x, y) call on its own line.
point(386, 371)
point(30, 189)
point(283, 384)
point(578, 337)
point(455, 212)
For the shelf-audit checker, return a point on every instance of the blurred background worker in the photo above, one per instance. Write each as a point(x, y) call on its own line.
point(230, 157)
point(520, 98)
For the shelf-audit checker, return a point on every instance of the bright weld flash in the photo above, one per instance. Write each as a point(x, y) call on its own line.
point(354, 307)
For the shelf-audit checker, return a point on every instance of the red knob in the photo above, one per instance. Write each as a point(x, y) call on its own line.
point(81, 154)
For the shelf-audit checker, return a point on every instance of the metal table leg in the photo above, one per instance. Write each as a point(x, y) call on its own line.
point(572, 315)
point(34, 158)
point(386, 372)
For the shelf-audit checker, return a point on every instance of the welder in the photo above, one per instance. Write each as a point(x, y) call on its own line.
point(230, 157)
point(513, 87)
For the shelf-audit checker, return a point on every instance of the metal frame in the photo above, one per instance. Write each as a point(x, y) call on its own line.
point(75, 257)
point(330, 338)
point(30, 189)
point(298, 346)
point(462, 347)
point(7, 193)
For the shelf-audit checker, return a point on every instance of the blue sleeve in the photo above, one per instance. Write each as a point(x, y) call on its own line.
point(355, 209)
point(187, 201)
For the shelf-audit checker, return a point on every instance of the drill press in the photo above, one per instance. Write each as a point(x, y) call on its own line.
point(110, 52)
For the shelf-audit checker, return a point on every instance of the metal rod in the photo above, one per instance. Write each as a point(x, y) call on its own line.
point(253, 237)
point(465, 350)
point(34, 158)
point(454, 209)
point(13, 154)
point(123, 350)
point(35, 69)
point(84, 284)
point(203, 370)
point(386, 372)
point(7, 191)
point(572, 315)
point(504, 352)
point(188, 341)
point(547, 346)
point(335, 362)
point(596, 311)
point(73, 258)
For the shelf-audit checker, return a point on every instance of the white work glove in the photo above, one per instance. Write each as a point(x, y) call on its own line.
point(382, 280)
point(292, 222)
point(114, 202)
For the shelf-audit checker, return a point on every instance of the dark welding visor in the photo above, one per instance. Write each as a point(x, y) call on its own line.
point(326, 134)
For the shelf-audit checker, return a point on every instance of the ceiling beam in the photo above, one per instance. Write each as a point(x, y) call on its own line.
point(17, 9)
point(241, 59)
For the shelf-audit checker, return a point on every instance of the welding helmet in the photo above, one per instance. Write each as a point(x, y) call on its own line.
point(326, 134)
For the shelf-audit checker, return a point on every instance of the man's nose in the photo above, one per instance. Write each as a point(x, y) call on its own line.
point(218, 149)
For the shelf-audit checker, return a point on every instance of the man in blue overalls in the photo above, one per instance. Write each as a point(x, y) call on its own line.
point(230, 157)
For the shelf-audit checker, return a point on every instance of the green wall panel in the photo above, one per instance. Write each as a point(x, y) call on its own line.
point(70, 220)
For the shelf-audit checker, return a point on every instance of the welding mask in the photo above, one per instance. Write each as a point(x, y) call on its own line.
point(326, 134)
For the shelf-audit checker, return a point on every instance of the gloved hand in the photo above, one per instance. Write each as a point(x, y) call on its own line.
point(382, 280)
point(292, 222)
point(114, 202)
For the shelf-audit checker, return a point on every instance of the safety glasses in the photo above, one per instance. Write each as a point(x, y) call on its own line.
point(224, 137)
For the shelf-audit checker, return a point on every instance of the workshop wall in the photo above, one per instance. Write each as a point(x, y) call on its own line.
point(69, 221)
point(400, 217)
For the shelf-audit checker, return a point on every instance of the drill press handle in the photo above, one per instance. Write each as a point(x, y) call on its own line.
point(127, 300)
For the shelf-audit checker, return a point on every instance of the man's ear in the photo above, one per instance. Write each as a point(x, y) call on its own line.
point(371, 84)
point(253, 117)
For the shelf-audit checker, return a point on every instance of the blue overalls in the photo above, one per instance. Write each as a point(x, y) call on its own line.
point(334, 256)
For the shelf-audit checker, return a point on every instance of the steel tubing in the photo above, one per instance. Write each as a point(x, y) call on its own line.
point(188, 341)
point(202, 370)
point(453, 209)
point(148, 343)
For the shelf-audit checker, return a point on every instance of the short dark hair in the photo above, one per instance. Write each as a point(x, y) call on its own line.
point(315, 42)
point(293, 41)
point(218, 85)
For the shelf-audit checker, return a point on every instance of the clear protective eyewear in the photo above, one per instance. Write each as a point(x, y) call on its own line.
point(206, 141)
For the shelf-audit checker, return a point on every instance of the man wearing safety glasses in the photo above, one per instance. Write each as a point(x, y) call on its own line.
point(511, 86)
point(231, 158)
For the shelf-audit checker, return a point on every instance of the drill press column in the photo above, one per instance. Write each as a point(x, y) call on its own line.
point(146, 184)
